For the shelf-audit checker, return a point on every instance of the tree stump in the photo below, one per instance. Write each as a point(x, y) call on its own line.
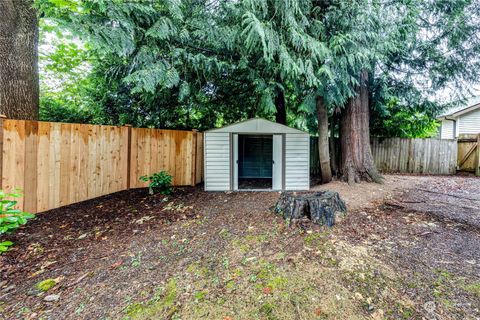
point(319, 207)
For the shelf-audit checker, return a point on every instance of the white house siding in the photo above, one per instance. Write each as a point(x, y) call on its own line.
point(217, 161)
point(448, 128)
point(469, 122)
point(297, 162)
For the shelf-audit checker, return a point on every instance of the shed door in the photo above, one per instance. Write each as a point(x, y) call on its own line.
point(277, 162)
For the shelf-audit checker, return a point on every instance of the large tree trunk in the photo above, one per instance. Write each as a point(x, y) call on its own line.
point(281, 115)
point(356, 155)
point(19, 87)
point(333, 147)
point(323, 152)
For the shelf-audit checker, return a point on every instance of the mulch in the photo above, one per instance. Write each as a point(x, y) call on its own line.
point(77, 230)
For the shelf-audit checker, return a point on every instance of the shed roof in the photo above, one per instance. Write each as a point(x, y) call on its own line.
point(256, 125)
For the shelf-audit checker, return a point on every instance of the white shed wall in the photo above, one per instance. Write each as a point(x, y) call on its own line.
point(448, 128)
point(469, 123)
point(217, 161)
point(297, 162)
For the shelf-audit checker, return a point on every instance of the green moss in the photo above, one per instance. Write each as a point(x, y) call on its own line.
point(134, 308)
point(46, 285)
point(198, 270)
point(230, 285)
point(243, 247)
point(473, 288)
point(161, 306)
point(277, 282)
point(200, 295)
point(311, 238)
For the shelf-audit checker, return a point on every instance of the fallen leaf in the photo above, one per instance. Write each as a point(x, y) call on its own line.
point(116, 265)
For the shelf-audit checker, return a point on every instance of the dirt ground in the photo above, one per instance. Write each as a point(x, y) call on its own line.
point(408, 249)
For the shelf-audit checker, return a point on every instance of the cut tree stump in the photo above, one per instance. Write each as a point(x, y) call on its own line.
point(319, 207)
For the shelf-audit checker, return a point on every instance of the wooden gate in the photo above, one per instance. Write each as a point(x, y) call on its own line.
point(469, 153)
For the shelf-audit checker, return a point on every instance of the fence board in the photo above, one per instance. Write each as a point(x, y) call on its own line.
point(57, 164)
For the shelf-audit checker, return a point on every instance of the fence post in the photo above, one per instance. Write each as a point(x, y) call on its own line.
point(2, 117)
point(477, 157)
point(129, 154)
point(193, 175)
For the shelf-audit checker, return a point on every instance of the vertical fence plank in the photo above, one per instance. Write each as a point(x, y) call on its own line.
point(44, 165)
point(193, 164)
point(30, 175)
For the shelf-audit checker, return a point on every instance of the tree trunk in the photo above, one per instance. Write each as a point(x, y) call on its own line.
point(281, 115)
point(323, 153)
point(356, 155)
point(19, 87)
point(333, 151)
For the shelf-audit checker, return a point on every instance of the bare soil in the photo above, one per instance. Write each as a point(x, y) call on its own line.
point(408, 249)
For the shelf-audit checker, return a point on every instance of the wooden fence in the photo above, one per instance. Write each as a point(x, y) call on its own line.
point(56, 164)
point(399, 155)
point(427, 156)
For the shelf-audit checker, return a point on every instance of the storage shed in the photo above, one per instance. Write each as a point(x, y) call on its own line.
point(257, 154)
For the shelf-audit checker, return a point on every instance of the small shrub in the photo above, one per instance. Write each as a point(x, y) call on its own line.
point(10, 217)
point(160, 182)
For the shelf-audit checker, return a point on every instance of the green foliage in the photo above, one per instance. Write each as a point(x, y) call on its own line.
point(396, 120)
point(200, 64)
point(4, 245)
point(67, 85)
point(55, 108)
point(160, 182)
point(10, 217)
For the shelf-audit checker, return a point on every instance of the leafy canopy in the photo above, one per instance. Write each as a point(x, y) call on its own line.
point(204, 63)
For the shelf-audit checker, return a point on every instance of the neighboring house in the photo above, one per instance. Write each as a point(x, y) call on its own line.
point(461, 120)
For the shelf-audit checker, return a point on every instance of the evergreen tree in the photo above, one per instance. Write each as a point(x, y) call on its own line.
point(203, 63)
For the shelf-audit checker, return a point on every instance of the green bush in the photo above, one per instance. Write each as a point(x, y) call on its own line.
point(10, 217)
point(160, 182)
